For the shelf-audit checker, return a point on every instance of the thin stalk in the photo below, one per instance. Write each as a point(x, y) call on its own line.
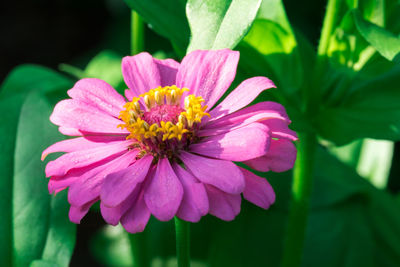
point(332, 11)
point(138, 240)
point(299, 207)
point(139, 251)
point(137, 33)
point(182, 229)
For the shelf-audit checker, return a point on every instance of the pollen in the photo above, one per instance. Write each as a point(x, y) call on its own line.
point(158, 115)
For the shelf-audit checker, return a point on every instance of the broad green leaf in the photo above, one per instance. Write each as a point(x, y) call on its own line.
point(217, 24)
point(106, 66)
point(371, 109)
point(111, 246)
point(31, 227)
point(370, 158)
point(386, 43)
point(270, 49)
point(167, 18)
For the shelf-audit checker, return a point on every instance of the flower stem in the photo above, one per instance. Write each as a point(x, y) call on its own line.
point(138, 248)
point(137, 33)
point(332, 11)
point(299, 207)
point(182, 229)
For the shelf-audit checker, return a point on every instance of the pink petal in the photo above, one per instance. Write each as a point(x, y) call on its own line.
point(164, 192)
point(98, 94)
point(222, 174)
point(89, 185)
point(246, 92)
point(112, 215)
point(258, 191)
point(223, 205)
point(208, 73)
point(69, 131)
point(280, 157)
point(136, 218)
point(82, 158)
point(241, 144)
point(79, 115)
point(168, 69)
point(80, 143)
point(129, 94)
point(119, 185)
point(140, 73)
point(279, 129)
point(77, 213)
point(258, 112)
point(195, 201)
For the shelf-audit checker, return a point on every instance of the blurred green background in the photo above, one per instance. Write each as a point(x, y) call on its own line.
point(355, 215)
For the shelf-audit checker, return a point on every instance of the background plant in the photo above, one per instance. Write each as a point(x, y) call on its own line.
point(343, 90)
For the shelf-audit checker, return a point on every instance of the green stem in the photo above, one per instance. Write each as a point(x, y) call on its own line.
point(139, 250)
point(137, 34)
point(182, 229)
point(299, 207)
point(332, 11)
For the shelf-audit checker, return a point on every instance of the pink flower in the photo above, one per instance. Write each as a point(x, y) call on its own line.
point(166, 152)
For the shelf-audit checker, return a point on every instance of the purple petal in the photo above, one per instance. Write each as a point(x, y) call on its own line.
point(241, 144)
point(246, 92)
point(168, 69)
point(89, 185)
point(79, 115)
point(258, 112)
point(195, 201)
point(82, 158)
point(280, 157)
point(81, 143)
point(140, 73)
point(112, 215)
point(77, 213)
point(98, 94)
point(258, 191)
point(223, 205)
point(119, 185)
point(136, 218)
point(164, 192)
point(208, 73)
point(222, 174)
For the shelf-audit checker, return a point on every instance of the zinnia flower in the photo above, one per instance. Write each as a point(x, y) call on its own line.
point(165, 152)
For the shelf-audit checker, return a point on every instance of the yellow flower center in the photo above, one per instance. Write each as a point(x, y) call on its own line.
point(159, 115)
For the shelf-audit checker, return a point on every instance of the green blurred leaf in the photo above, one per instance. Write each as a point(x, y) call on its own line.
point(386, 43)
point(111, 246)
point(270, 49)
point(371, 159)
point(371, 109)
point(31, 226)
point(217, 24)
point(106, 66)
point(167, 18)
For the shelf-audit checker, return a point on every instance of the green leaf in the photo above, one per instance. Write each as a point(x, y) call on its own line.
point(371, 109)
point(270, 49)
point(167, 18)
point(111, 246)
point(370, 158)
point(106, 66)
point(386, 43)
point(31, 228)
point(217, 24)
